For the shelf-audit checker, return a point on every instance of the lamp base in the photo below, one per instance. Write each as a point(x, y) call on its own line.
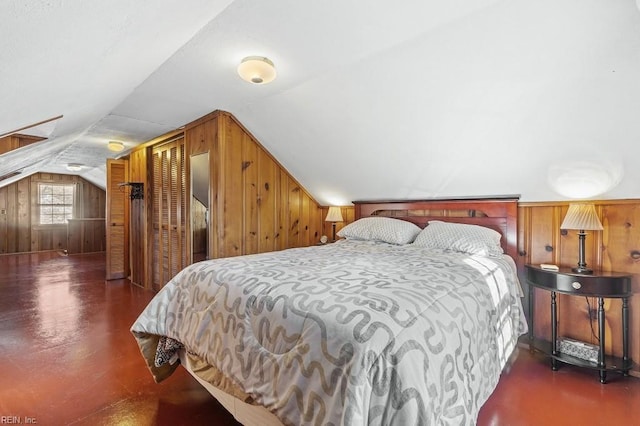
point(582, 270)
point(582, 264)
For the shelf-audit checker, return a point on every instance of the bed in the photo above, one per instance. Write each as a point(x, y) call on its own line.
point(393, 324)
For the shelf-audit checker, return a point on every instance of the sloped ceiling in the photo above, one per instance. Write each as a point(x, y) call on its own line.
point(411, 99)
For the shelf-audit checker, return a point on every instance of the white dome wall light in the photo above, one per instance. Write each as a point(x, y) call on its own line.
point(257, 70)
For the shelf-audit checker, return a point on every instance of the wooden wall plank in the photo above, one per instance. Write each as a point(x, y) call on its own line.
point(213, 130)
point(305, 221)
point(59, 239)
point(267, 197)
point(284, 217)
point(232, 240)
point(621, 237)
point(294, 208)
point(23, 214)
point(620, 247)
point(251, 221)
point(74, 237)
point(541, 222)
point(12, 219)
point(315, 223)
point(4, 240)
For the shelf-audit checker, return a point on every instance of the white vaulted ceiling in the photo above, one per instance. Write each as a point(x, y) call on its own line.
point(410, 99)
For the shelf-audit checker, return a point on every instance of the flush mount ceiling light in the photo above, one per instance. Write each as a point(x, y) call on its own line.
point(74, 167)
point(115, 146)
point(257, 70)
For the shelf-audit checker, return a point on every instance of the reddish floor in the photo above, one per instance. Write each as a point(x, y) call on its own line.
point(67, 357)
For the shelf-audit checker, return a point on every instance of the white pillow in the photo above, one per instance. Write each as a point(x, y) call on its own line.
point(386, 229)
point(472, 239)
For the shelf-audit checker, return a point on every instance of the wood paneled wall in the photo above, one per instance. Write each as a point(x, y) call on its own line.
point(15, 141)
point(85, 235)
point(257, 206)
point(19, 228)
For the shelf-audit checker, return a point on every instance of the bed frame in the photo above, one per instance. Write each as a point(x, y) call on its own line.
point(499, 213)
point(247, 414)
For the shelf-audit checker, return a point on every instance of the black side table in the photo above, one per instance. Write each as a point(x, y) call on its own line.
point(600, 285)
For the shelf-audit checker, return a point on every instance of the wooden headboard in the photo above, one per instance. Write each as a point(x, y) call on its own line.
point(499, 213)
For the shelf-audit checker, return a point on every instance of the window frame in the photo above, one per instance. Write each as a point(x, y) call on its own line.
point(65, 205)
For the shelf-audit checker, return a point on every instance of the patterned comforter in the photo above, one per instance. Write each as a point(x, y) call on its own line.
point(351, 333)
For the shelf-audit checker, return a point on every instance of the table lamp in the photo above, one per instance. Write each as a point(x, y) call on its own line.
point(334, 215)
point(582, 217)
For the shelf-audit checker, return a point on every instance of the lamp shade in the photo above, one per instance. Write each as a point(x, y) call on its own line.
point(581, 217)
point(334, 215)
point(257, 70)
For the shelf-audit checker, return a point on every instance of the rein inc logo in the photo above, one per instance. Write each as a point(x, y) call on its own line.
point(18, 420)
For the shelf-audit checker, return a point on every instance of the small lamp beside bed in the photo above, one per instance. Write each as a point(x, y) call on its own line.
point(334, 215)
point(581, 217)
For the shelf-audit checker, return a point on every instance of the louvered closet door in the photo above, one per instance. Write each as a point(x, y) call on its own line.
point(117, 220)
point(169, 212)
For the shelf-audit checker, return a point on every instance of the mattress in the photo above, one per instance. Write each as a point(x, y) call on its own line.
point(355, 332)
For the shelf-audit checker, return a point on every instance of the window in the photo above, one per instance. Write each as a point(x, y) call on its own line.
point(55, 202)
